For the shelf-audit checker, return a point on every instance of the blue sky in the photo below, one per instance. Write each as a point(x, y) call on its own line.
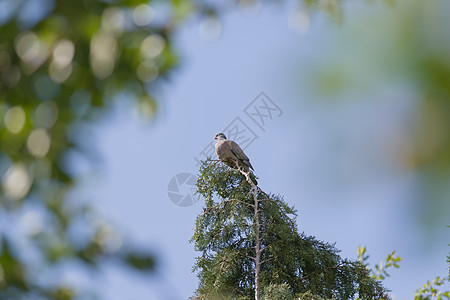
point(330, 159)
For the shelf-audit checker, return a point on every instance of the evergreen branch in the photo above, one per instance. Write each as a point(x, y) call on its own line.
point(285, 214)
point(223, 202)
point(304, 277)
point(267, 260)
point(248, 256)
point(250, 242)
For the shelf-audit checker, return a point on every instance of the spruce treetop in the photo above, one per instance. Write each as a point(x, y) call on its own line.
point(251, 248)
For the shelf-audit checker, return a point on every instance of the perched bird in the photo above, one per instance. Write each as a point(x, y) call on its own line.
point(229, 152)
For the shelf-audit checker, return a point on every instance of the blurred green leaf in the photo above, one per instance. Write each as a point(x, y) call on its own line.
point(140, 261)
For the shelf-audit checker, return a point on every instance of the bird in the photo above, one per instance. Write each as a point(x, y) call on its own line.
point(230, 153)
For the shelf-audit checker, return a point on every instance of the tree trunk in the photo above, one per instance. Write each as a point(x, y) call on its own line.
point(257, 248)
point(257, 228)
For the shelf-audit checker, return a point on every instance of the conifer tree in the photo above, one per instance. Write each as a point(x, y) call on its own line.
point(251, 247)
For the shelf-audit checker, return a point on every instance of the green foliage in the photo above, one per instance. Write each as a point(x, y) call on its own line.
point(58, 74)
point(225, 237)
point(448, 262)
point(404, 57)
point(434, 289)
point(380, 271)
point(430, 290)
point(277, 292)
point(308, 296)
point(448, 266)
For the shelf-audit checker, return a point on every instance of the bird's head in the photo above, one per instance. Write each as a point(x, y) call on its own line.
point(220, 136)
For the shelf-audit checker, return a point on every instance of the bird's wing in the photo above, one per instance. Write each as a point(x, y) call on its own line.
point(237, 151)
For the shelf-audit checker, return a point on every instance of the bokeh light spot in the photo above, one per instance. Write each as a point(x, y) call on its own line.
point(113, 20)
point(107, 237)
point(145, 109)
point(30, 49)
point(63, 53)
point(46, 114)
point(58, 72)
point(16, 182)
point(14, 119)
point(210, 28)
point(27, 46)
point(147, 71)
point(103, 53)
point(143, 15)
point(152, 46)
point(38, 142)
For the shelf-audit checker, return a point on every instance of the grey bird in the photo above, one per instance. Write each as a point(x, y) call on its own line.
point(229, 152)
